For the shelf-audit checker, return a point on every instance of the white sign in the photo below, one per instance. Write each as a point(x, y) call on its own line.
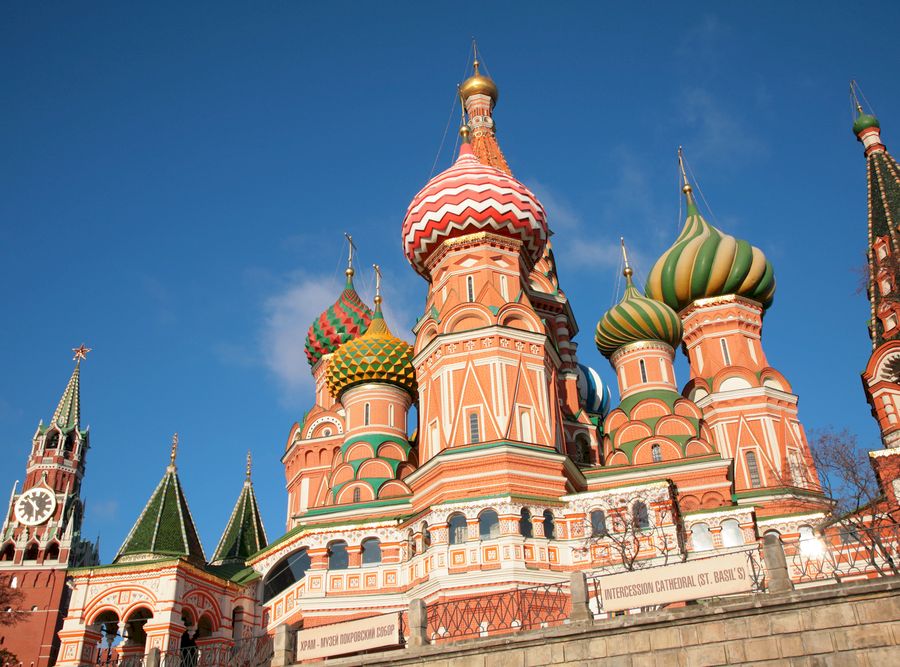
point(707, 577)
point(349, 637)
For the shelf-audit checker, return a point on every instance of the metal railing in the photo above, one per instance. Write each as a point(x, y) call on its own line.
point(256, 652)
point(109, 658)
point(845, 553)
point(499, 613)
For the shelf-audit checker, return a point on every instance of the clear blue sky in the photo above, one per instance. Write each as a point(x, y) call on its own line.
point(174, 184)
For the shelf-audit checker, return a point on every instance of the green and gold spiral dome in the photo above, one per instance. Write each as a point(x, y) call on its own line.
point(636, 318)
point(376, 356)
point(705, 262)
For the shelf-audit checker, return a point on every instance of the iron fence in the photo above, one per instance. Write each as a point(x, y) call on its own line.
point(110, 658)
point(844, 552)
point(499, 613)
point(255, 652)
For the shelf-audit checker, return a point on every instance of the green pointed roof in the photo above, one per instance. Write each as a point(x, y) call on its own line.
point(165, 528)
point(244, 535)
point(68, 413)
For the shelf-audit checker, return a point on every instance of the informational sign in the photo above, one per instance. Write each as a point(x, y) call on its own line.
point(340, 638)
point(704, 578)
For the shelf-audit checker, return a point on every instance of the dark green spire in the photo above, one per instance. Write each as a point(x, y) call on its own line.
point(244, 535)
point(68, 413)
point(165, 529)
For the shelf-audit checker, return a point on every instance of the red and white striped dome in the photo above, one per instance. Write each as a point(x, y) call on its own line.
point(472, 197)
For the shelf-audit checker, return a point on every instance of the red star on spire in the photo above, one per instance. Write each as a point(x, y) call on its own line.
point(81, 352)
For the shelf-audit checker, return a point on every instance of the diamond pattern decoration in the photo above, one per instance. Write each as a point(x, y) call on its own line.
point(346, 319)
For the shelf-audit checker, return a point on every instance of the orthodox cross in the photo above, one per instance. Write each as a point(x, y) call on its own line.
point(174, 450)
point(350, 250)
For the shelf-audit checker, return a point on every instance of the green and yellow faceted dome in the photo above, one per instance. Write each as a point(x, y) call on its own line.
point(376, 356)
point(636, 318)
point(705, 262)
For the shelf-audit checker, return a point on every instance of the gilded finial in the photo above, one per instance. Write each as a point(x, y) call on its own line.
point(174, 452)
point(249, 464)
point(463, 127)
point(81, 352)
point(350, 248)
point(377, 285)
point(855, 97)
point(686, 187)
point(627, 272)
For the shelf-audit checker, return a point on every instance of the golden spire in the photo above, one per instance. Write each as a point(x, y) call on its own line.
point(627, 272)
point(377, 285)
point(249, 464)
point(174, 451)
point(686, 188)
point(350, 248)
point(463, 127)
point(478, 83)
point(81, 352)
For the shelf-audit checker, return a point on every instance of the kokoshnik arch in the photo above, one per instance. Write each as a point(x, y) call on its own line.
point(520, 464)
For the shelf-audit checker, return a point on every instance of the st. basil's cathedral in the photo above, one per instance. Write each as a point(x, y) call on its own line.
point(520, 467)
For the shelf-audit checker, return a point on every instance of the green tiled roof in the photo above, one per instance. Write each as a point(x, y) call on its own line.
point(165, 528)
point(68, 413)
point(244, 535)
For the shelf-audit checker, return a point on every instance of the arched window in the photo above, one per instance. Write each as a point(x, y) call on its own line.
point(411, 542)
point(391, 415)
point(549, 525)
point(701, 537)
point(526, 528)
point(356, 494)
point(337, 556)
point(643, 368)
point(470, 288)
point(69, 445)
point(598, 523)
point(371, 551)
point(426, 536)
point(52, 552)
point(810, 545)
point(656, 453)
point(582, 449)
point(753, 470)
point(640, 515)
point(289, 571)
point(31, 553)
point(525, 425)
point(52, 441)
point(14, 582)
point(488, 525)
point(8, 553)
point(504, 288)
point(367, 414)
point(237, 624)
point(474, 431)
point(457, 525)
point(731, 533)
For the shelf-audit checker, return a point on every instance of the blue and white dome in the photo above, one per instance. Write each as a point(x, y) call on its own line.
point(593, 394)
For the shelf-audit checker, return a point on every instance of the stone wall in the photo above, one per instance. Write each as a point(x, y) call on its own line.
point(842, 624)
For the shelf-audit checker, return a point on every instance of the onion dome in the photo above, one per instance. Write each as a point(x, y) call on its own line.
point(472, 197)
point(636, 318)
point(864, 121)
point(478, 84)
point(346, 319)
point(706, 262)
point(593, 393)
point(376, 356)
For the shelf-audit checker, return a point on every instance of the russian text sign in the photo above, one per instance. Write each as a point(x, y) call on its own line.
point(704, 578)
point(349, 637)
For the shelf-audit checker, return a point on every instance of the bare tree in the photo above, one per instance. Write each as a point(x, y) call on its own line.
point(10, 614)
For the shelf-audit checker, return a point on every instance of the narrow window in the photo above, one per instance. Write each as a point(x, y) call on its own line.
point(390, 415)
point(525, 428)
point(337, 556)
point(457, 525)
point(753, 470)
point(549, 525)
point(371, 551)
point(526, 529)
point(656, 453)
point(470, 288)
point(598, 523)
point(725, 356)
point(731, 533)
point(367, 414)
point(643, 367)
point(640, 515)
point(488, 525)
point(426, 536)
point(890, 322)
point(474, 434)
point(504, 288)
point(701, 538)
point(356, 495)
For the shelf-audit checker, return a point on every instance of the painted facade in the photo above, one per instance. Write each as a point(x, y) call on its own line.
point(521, 466)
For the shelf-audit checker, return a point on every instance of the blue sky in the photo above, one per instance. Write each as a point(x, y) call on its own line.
point(175, 181)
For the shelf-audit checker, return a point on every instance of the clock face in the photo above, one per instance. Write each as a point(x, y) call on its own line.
point(35, 506)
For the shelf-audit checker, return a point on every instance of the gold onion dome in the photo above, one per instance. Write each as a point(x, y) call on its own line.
point(636, 318)
point(376, 356)
point(478, 84)
point(705, 262)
